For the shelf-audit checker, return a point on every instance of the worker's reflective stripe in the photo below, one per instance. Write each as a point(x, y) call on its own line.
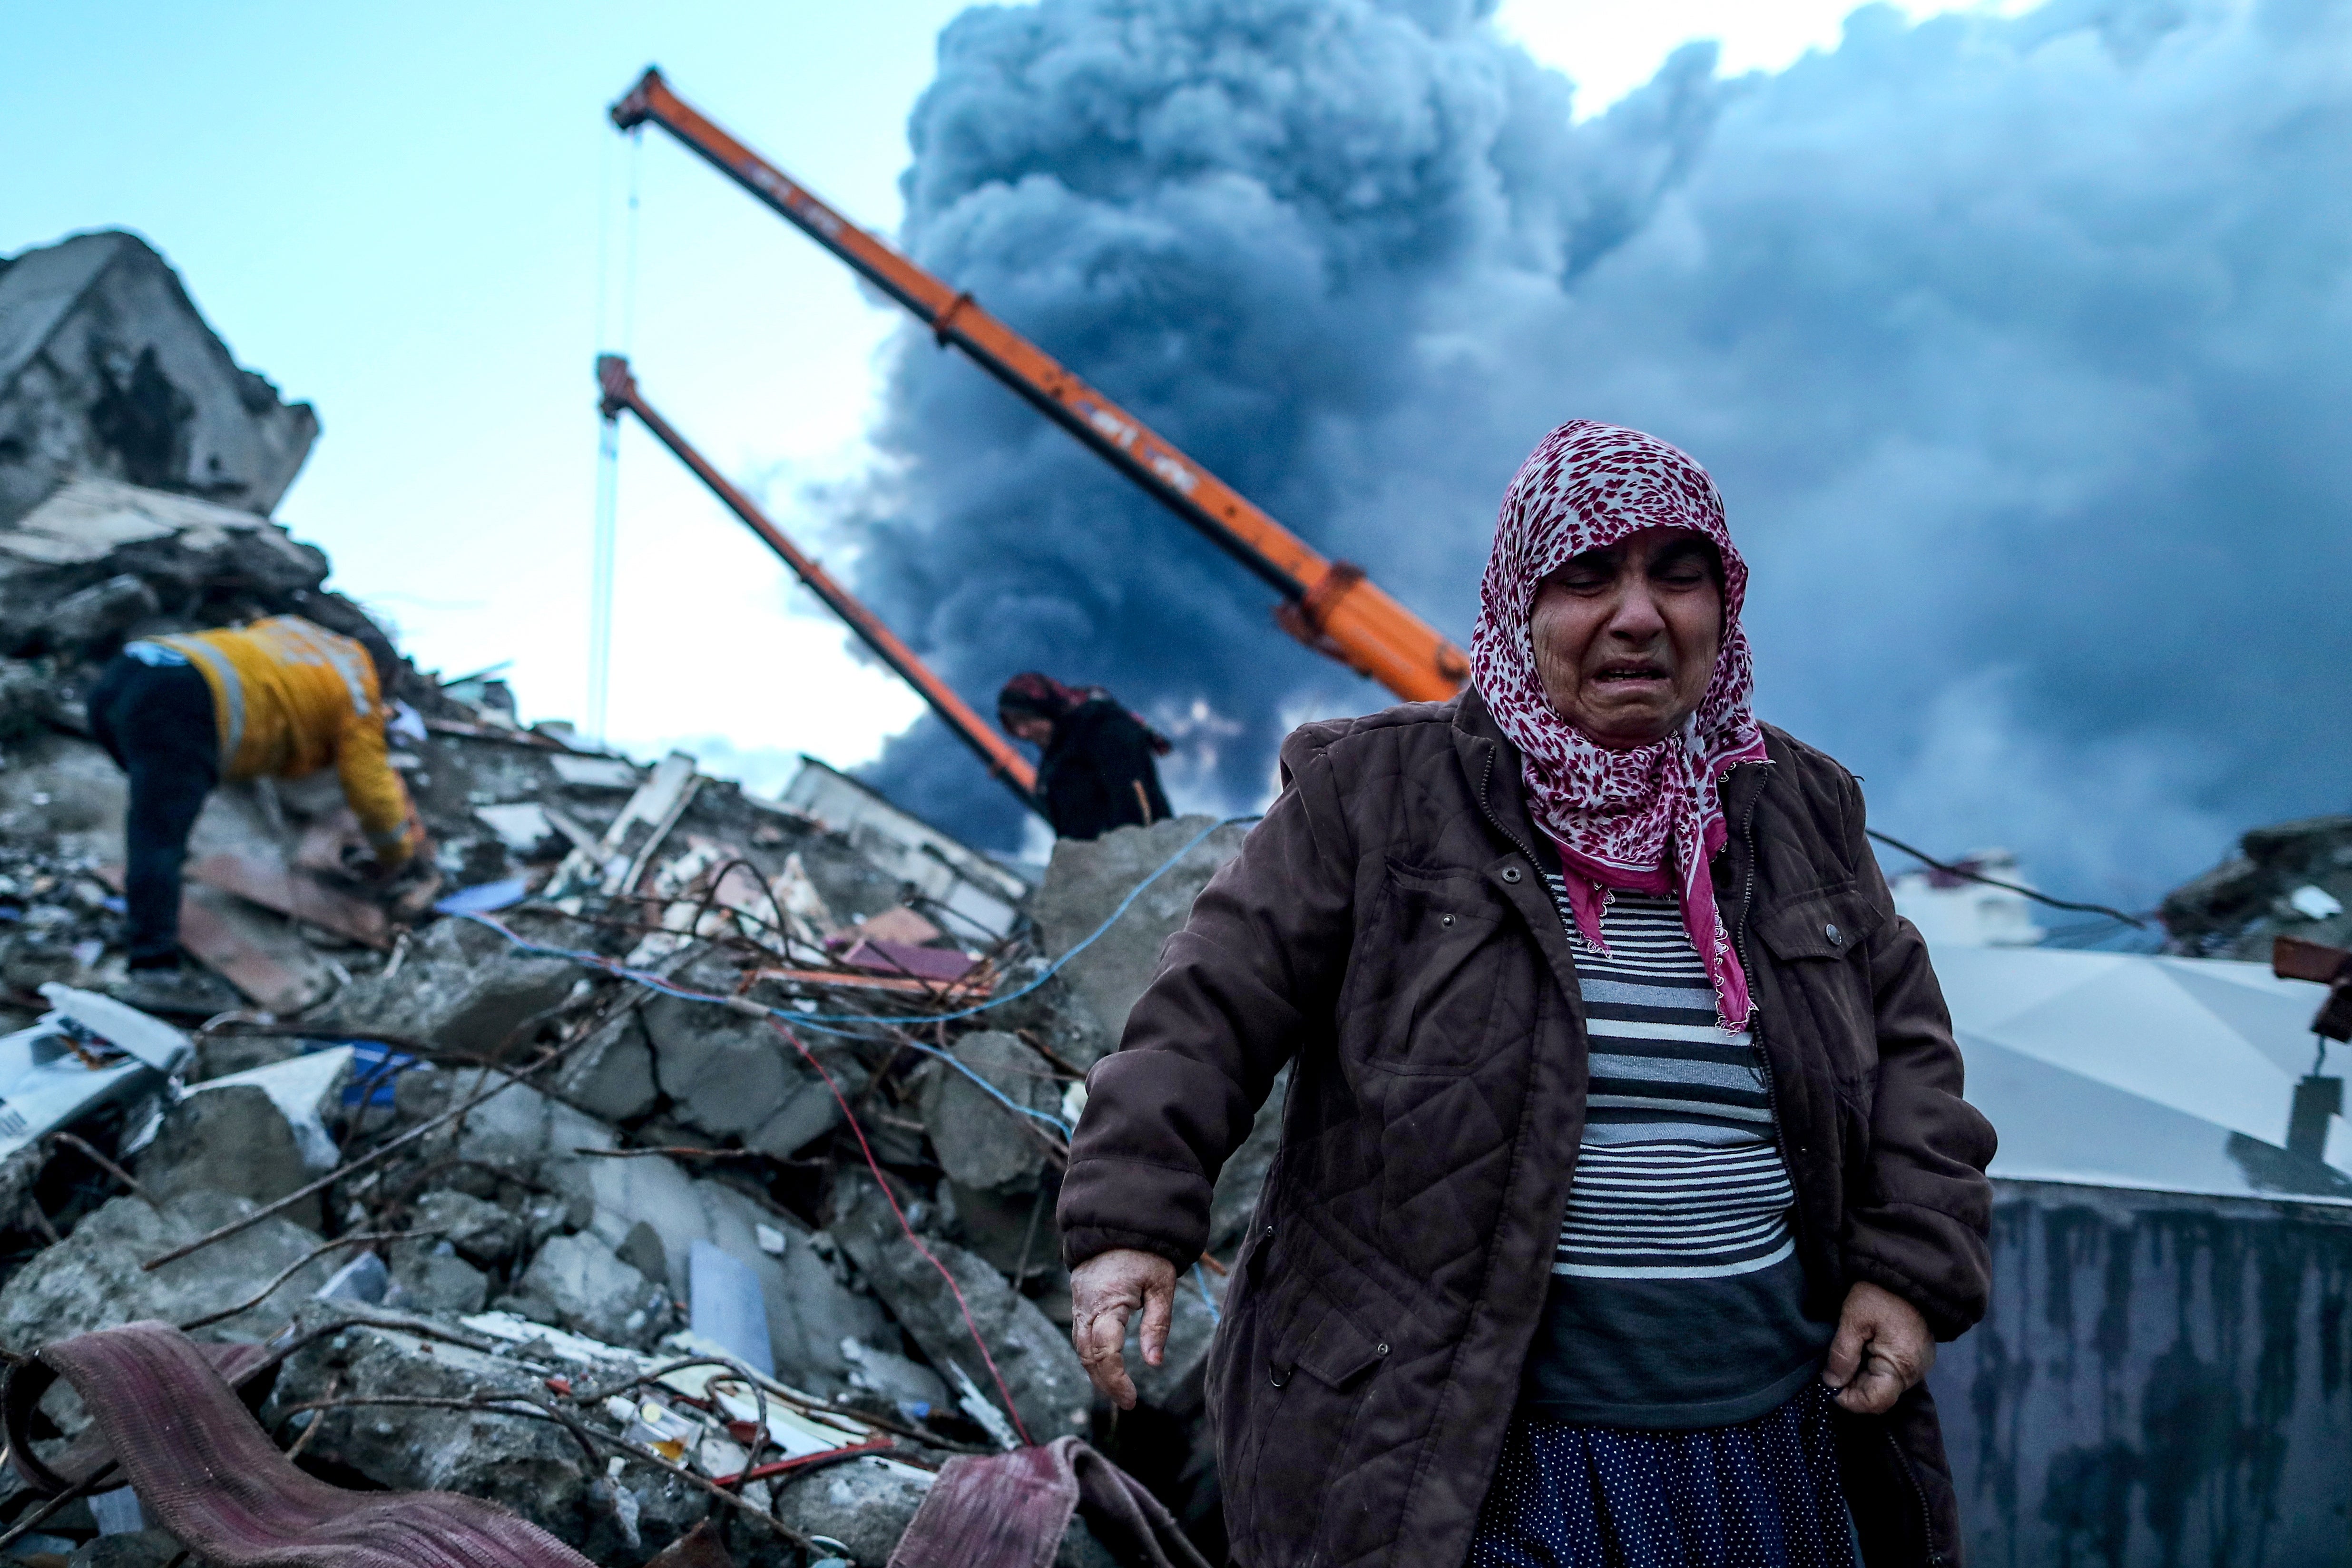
point(296, 637)
point(230, 690)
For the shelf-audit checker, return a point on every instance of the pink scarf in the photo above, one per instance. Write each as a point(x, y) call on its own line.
point(1649, 819)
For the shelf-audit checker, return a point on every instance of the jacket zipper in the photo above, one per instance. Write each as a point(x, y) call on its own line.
point(1485, 779)
point(1756, 1015)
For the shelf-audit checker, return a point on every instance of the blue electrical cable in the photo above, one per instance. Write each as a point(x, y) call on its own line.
point(1201, 1283)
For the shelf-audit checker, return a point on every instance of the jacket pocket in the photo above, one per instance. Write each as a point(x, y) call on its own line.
point(1816, 941)
point(1421, 994)
point(1833, 923)
point(1326, 1344)
point(1289, 1371)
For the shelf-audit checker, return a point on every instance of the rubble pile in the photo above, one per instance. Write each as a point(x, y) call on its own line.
point(668, 1154)
point(2290, 879)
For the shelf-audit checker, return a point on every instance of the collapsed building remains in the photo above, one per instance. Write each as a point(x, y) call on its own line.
point(670, 1071)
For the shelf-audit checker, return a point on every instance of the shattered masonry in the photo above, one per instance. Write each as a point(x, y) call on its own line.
point(647, 1176)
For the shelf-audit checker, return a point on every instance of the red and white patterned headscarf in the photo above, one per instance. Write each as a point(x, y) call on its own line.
point(1647, 819)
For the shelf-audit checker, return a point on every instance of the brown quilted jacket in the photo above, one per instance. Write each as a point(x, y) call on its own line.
point(1387, 928)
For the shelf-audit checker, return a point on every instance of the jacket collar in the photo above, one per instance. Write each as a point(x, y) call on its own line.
point(1478, 739)
point(1487, 756)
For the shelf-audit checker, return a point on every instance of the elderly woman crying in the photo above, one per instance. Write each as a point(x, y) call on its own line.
point(1626, 1185)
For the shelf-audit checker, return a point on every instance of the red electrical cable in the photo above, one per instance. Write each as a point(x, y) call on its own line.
point(783, 1467)
point(883, 1181)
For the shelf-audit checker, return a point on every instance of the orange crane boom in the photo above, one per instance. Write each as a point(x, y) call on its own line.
point(620, 390)
point(1329, 606)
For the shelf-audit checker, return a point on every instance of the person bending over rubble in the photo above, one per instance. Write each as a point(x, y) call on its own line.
point(1626, 1185)
point(280, 698)
point(1095, 770)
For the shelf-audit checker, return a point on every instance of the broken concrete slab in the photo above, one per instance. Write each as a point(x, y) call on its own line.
point(429, 1277)
point(92, 1280)
point(981, 1143)
point(307, 1089)
point(518, 1130)
point(531, 1466)
point(863, 1504)
point(1049, 1388)
point(107, 367)
point(93, 622)
point(233, 1139)
point(463, 988)
point(479, 1231)
point(978, 896)
point(583, 1286)
point(1086, 882)
point(739, 1077)
point(867, 1504)
point(203, 564)
point(610, 1075)
point(810, 1309)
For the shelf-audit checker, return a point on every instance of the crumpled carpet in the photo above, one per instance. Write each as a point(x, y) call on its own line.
point(209, 1474)
point(1011, 1510)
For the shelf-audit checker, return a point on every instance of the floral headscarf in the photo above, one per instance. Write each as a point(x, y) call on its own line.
point(1647, 819)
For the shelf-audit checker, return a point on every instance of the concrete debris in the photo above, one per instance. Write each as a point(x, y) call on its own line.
point(537, 1180)
point(982, 1147)
point(429, 1277)
point(1087, 879)
point(734, 1078)
point(2290, 878)
point(1033, 1355)
point(109, 370)
point(232, 1139)
point(92, 1280)
point(464, 988)
point(475, 1229)
point(581, 1284)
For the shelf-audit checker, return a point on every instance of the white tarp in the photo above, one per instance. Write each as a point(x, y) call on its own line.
point(2126, 1070)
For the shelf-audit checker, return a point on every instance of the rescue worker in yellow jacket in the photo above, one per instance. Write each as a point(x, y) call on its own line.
point(278, 698)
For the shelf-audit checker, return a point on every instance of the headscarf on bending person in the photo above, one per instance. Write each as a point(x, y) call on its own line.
point(1647, 818)
point(1033, 695)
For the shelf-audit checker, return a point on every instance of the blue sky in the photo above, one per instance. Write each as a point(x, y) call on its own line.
point(410, 218)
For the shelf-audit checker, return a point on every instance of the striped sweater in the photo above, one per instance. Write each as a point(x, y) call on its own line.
point(1675, 1299)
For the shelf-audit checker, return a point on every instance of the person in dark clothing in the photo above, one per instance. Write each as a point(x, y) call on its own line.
point(1627, 1182)
point(156, 721)
point(1097, 770)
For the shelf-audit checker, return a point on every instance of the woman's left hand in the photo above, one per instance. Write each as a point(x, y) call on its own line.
point(1882, 1348)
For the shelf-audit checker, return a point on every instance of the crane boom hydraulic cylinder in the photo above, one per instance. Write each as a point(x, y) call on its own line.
point(1329, 606)
point(996, 753)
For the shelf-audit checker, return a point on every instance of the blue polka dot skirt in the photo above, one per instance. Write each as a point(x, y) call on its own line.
point(1763, 1494)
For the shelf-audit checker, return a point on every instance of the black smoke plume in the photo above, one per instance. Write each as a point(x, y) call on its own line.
point(2022, 350)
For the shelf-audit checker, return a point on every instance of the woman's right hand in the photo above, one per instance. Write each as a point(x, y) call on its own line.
point(1105, 1292)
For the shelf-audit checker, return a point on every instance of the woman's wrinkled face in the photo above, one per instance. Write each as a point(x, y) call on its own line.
point(1034, 728)
point(1625, 638)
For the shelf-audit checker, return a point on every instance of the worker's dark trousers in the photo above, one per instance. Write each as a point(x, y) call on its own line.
point(156, 721)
